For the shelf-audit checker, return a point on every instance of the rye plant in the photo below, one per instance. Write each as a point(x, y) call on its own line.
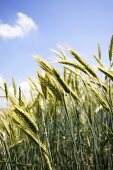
point(67, 123)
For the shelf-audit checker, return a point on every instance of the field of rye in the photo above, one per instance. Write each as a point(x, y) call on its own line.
point(68, 122)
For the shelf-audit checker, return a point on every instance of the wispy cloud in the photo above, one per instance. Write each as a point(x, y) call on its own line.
point(23, 25)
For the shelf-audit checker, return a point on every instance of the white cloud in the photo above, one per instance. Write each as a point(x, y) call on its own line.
point(2, 100)
point(1, 81)
point(25, 22)
point(23, 25)
point(25, 87)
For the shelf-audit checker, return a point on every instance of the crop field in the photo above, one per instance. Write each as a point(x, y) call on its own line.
point(68, 122)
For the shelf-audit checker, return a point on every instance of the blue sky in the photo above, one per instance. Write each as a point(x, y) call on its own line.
point(81, 24)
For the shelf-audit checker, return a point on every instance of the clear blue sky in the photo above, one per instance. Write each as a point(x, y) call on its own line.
point(81, 24)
